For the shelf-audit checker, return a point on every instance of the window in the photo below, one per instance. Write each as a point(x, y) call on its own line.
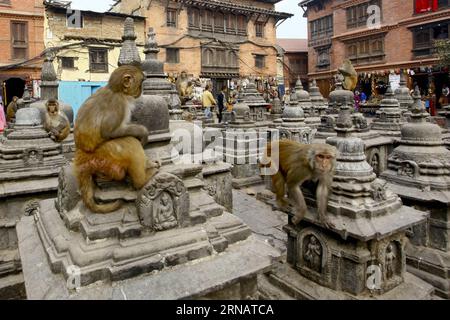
point(425, 35)
point(357, 16)
point(172, 55)
point(194, 18)
point(422, 6)
point(207, 20)
point(443, 4)
point(233, 60)
point(221, 58)
point(172, 18)
point(208, 57)
point(8, 2)
point(259, 26)
point(231, 24)
point(98, 60)
point(321, 28)
point(242, 25)
point(323, 58)
point(366, 50)
point(260, 61)
point(68, 62)
point(19, 41)
point(219, 22)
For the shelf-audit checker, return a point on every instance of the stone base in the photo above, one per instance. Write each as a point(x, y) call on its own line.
point(215, 276)
point(293, 285)
point(12, 287)
point(432, 266)
point(240, 183)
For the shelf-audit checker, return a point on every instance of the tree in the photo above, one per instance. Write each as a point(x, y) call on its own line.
point(443, 51)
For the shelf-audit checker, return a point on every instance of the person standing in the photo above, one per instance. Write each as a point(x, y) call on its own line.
point(208, 101)
point(444, 97)
point(221, 102)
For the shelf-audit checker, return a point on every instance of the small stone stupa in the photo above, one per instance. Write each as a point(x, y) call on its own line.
point(255, 101)
point(363, 255)
point(317, 99)
point(241, 146)
point(29, 165)
point(49, 89)
point(403, 96)
point(304, 100)
point(131, 253)
point(389, 119)
point(419, 172)
point(293, 126)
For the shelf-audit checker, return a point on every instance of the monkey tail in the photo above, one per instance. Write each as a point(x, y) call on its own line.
point(87, 188)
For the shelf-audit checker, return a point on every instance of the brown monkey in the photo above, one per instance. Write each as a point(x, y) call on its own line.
point(56, 122)
point(350, 75)
point(298, 163)
point(107, 144)
point(12, 109)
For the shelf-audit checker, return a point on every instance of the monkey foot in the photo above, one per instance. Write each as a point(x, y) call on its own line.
point(296, 220)
point(328, 224)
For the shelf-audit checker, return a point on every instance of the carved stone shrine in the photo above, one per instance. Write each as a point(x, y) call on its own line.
point(29, 165)
point(419, 172)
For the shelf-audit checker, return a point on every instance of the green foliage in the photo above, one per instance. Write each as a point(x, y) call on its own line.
point(443, 51)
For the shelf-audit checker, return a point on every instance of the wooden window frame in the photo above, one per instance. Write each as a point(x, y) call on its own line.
point(66, 59)
point(357, 16)
point(260, 33)
point(176, 52)
point(260, 61)
point(15, 46)
point(321, 28)
point(368, 50)
point(169, 22)
point(92, 64)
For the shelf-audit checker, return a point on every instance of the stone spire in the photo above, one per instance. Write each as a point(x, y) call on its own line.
point(251, 96)
point(317, 99)
point(293, 126)
point(340, 96)
point(129, 54)
point(303, 98)
point(389, 117)
point(402, 94)
point(49, 81)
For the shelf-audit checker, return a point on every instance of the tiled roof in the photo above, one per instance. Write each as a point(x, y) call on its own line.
point(293, 45)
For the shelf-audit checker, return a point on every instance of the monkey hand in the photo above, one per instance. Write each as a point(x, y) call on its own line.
point(153, 164)
point(325, 221)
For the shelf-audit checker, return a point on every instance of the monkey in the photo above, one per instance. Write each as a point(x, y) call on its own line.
point(56, 122)
point(12, 109)
point(298, 163)
point(107, 144)
point(350, 75)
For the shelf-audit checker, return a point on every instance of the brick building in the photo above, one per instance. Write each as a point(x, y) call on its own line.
point(213, 39)
point(87, 46)
point(21, 43)
point(403, 40)
point(295, 61)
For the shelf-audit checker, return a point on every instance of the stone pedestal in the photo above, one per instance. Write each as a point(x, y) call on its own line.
point(171, 232)
point(363, 255)
point(419, 172)
point(29, 165)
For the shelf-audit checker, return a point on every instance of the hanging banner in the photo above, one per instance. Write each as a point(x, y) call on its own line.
point(394, 80)
point(426, 5)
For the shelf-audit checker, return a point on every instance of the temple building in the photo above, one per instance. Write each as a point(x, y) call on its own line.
point(397, 35)
point(295, 61)
point(87, 46)
point(216, 40)
point(21, 42)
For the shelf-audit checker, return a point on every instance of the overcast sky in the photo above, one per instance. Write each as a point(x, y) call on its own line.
point(294, 27)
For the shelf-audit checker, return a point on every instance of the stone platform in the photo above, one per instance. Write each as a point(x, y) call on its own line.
point(233, 273)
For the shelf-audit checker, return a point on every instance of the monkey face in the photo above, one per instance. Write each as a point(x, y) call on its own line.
point(324, 162)
point(53, 108)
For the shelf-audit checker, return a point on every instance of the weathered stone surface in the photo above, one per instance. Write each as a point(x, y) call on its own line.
point(389, 119)
point(419, 172)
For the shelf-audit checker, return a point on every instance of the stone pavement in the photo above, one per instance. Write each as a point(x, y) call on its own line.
point(260, 218)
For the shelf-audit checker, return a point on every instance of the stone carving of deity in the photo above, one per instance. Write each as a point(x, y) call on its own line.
point(313, 254)
point(165, 213)
point(375, 162)
point(390, 261)
point(407, 169)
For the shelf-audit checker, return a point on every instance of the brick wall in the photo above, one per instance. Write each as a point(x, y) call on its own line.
point(397, 17)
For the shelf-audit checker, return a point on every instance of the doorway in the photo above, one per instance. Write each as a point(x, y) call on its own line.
point(14, 87)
